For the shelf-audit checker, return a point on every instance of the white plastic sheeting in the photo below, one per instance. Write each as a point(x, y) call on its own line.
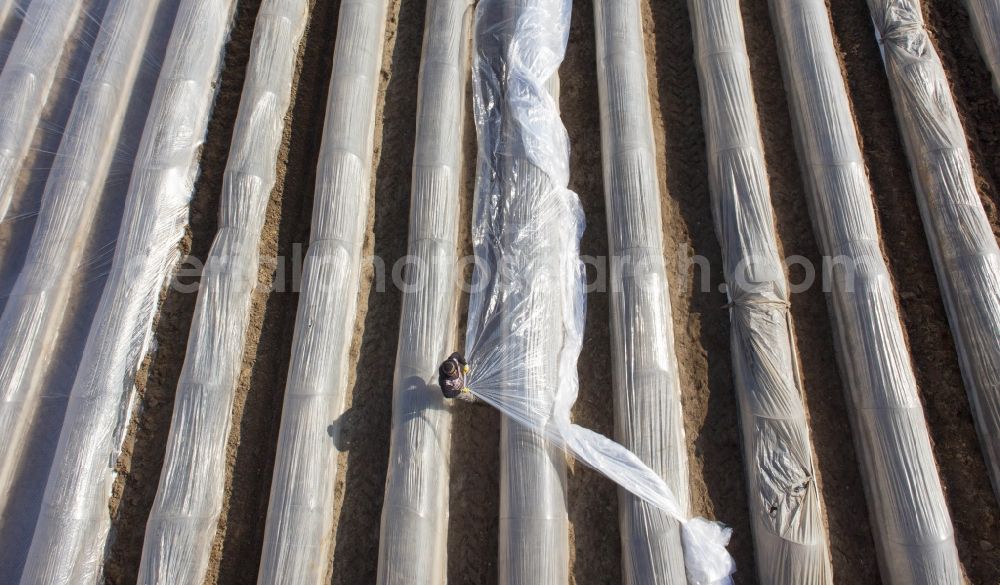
point(33, 316)
point(910, 520)
point(785, 505)
point(648, 416)
point(965, 252)
point(70, 539)
point(985, 17)
point(519, 198)
point(414, 536)
point(527, 305)
point(25, 82)
point(298, 539)
point(182, 524)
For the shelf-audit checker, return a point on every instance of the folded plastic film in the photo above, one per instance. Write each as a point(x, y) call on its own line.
point(533, 510)
point(526, 240)
point(72, 537)
point(964, 249)
point(192, 484)
point(25, 82)
point(786, 509)
point(909, 515)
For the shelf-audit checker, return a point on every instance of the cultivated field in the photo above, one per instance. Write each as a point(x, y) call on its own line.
point(700, 317)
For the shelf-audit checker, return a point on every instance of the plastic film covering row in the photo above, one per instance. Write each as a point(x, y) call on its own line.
point(414, 536)
point(965, 252)
point(516, 230)
point(70, 539)
point(985, 17)
point(648, 416)
point(33, 315)
point(534, 521)
point(182, 524)
point(785, 504)
point(298, 539)
point(527, 308)
point(910, 520)
point(25, 82)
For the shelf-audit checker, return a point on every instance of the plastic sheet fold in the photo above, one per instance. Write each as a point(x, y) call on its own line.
point(909, 516)
point(298, 539)
point(182, 524)
point(785, 504)
point(648, 416)
point(985, 19)
point(71, 536)
point(25, 83)
point(534, 524)
point(526, 309)
point(965, 252)
point(414, 536)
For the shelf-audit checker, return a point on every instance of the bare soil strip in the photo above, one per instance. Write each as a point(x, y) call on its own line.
point(595, 546)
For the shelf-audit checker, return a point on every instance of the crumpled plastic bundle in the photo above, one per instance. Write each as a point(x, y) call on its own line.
point(526, 242)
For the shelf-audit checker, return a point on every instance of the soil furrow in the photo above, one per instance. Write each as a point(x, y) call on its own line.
point(595, 550)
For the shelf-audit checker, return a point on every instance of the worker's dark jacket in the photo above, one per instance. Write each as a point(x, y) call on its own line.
point(451, 378)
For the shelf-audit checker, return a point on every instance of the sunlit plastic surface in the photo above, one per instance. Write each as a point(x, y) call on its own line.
point(910, 520)
point(298, 538)
point(182, 523)
point(965, 252)
point(648, 416)
point(414, 535)
point(26, 80)
point(71, 538)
